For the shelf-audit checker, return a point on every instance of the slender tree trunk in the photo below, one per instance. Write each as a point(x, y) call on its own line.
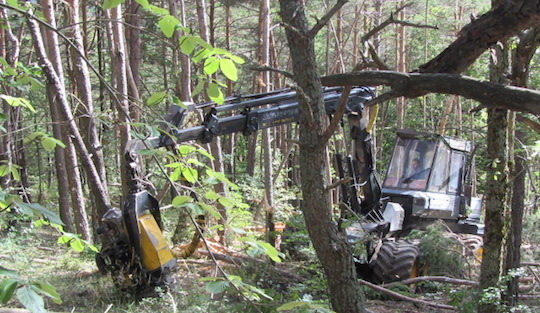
point(401, 66)
point(497, 182)
point(61, 157)
point(215, 145)
point(521, 59)
point(86, 112)
point(120, 68)
point(329, 242)
point(133, 40)
point(264, 48)
point(65, 110)
point(71, 162)
point(185, 63)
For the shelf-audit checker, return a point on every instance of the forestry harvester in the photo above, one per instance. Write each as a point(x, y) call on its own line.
point(428, 178)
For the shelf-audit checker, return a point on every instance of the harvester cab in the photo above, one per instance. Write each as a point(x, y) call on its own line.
point(430, 176)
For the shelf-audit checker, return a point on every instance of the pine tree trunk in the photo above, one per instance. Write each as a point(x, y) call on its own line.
point(401, 66)
point(86, 112)
point(521, 60)
point(120, 67)
point(497, 183)
point(56, 86)
point(264, 48)
point(330, 244)
point(215, 145)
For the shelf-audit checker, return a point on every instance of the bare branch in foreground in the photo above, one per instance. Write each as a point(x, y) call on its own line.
point(440, 279)
point(405, 298)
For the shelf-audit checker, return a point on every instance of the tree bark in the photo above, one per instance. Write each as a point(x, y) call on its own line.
point(65, 110)
point(71, 162)
point(330, 244)
point(401, 65)
point(86, 112)
point(521, 59)
point(215, 145)
point(497, 182)
point(120, 67)
point(61, 154)
point(264, 48)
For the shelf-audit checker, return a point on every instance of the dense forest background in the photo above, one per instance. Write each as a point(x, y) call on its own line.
point(79, 80)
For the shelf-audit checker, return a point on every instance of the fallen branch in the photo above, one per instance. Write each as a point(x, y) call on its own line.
point(441, 279)
point(405, 298)
point(530, 264)
point(241, 260)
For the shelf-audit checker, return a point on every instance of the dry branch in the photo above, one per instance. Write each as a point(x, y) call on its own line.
point(405, 298)
point(324, 20)
point(241, 260)
point(441, 279)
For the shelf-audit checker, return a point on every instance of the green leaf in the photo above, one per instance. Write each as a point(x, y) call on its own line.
point(176, 174)
point(9, 273)
point(31, 300)
point(237, 59)
point(168, 24)
point(229, 69)
point(214, 93)
point(157, 10)
point(64, 239)
point(195, 162)
point(77, 245)
point(180, 200)
point(187, 44)
point(156, 98)
point(194, 207)
point(109, 4)
point(205, 153)
point(270, 251)
point(210, 209)
point(143, 3)
point(202, 54)
point(13, 3)
point(15, 173)
point(7, 288)
point(211, 195)
point(199, 87)
point(4, 170)
point(49, 290)
point(216, 286)
point(184, 150)
point(226, 202)
point(211, 65)
point(49, 143)
point(190, 174)
point(38, 209)
point(15, 102)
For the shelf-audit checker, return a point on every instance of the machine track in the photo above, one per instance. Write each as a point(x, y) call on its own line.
point(395, 260)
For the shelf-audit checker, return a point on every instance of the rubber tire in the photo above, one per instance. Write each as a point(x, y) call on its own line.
point(396, 260)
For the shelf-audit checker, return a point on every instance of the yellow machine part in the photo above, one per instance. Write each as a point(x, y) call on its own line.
point(154, 249)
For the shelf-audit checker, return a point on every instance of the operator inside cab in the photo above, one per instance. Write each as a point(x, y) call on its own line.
point(416, 176)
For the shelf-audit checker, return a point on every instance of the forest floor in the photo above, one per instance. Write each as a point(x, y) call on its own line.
point(37, 256)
